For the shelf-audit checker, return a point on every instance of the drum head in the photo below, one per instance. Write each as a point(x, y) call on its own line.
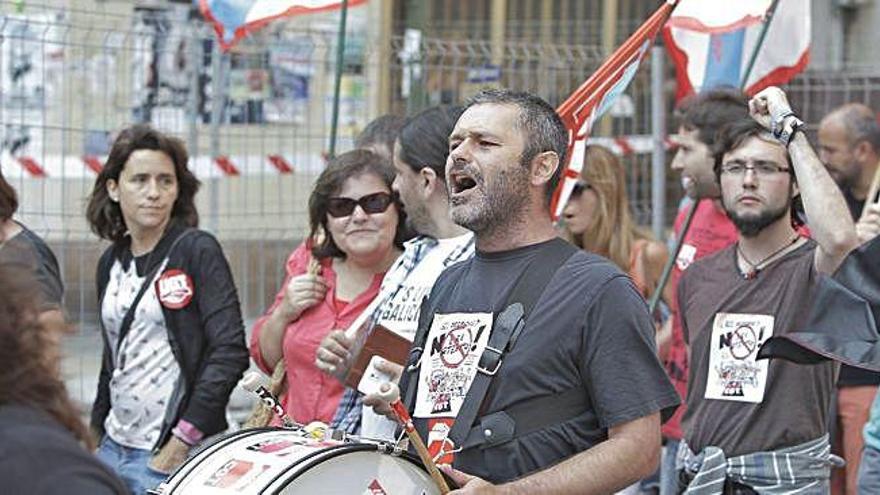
point(358, 469)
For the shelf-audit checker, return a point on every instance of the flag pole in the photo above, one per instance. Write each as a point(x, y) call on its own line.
point(679, 241)
point(340, 54)
point(758, 45)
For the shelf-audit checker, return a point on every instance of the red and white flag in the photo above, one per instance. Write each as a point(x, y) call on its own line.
point(235, 19)
point(595, 96)
point(709, 17)
point(713, 46)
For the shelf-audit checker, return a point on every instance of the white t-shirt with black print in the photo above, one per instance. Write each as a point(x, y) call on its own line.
point(144, 369)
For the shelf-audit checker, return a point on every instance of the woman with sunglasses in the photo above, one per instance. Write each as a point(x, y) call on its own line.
point(598, 219)
point(357, 231)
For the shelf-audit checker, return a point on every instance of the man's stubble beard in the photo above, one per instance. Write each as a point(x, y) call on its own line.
point(498, 209)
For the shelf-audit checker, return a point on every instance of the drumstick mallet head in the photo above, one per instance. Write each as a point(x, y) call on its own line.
point(389, 393)
point(253, 383)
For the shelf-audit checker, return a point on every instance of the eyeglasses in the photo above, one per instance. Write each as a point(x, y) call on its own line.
point(371, 204)
point(579, 189)
point(761, 169)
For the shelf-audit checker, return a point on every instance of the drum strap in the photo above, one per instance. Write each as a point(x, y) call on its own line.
point(506, 329)
point(525, 417)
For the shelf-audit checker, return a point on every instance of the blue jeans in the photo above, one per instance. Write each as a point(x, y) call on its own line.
point(869, 471)
point(668, 473)
point(132, 465)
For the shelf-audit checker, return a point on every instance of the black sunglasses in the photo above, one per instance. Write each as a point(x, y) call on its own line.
point(579, 188)
point(371, 204)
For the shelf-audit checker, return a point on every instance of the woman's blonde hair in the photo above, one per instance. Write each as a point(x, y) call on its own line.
point(613, 233)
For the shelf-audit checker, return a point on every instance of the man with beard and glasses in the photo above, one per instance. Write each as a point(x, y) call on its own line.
point(534, 362)
point(849, 142)
point(758, 426)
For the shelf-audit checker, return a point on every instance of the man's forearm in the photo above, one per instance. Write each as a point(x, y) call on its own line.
point(829, 218)
point(608, 467)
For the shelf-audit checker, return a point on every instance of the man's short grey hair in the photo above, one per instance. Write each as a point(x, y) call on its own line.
point(539, 123)
point(860, 123)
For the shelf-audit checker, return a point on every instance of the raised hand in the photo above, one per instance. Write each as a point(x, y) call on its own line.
point(333, 352)
point(768, 106)
point(302, 292)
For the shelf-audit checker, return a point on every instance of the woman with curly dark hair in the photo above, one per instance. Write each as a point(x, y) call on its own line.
point(45, 447)
point(174, 344)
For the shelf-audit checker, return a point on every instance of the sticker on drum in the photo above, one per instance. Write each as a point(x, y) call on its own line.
point(234, 475)
point(375, 488)
point(278, 461)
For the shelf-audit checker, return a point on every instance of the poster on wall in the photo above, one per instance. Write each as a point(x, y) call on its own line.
point(31, 77)
point(291, 69)
point(162, 62)
point(352, 105)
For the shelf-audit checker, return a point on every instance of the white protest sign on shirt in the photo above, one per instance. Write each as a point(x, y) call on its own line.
point(734, 374)
point(449, 362)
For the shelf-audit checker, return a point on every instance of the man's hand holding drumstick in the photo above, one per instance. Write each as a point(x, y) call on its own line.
point(387, 402)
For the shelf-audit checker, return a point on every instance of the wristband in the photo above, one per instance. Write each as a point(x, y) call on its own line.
point(790, 126)
point(777, 122)
point(187, 433)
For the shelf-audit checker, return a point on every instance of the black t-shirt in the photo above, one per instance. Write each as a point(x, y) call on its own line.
point(39, 457)
point(850, 376)
point(855, 205)
point(590, 331)
point(26, 250)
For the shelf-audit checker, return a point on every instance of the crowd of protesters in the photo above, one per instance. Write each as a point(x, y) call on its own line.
point(438, 226)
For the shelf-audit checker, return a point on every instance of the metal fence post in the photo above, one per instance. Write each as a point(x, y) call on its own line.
point(195, 66)
point(218, 101)
point(658, 133)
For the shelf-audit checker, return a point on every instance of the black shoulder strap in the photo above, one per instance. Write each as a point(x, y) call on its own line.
point(128, 319)
point(507, 326)
point(534, 279)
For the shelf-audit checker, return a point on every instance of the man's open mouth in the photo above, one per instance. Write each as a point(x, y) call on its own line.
point(461, 181)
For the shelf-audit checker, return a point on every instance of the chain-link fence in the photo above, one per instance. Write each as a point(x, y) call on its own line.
point(817, 92)
point(256, 120)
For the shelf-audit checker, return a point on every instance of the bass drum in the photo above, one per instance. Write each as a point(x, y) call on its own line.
point(278, 461)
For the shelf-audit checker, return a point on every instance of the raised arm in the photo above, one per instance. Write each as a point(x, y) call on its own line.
point(829, 219)
point(300, 292)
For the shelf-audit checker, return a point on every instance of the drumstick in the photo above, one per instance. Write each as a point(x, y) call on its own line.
point(390, 393)
point(252, 382)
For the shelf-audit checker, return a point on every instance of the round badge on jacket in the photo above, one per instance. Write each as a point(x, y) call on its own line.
point(175, 289)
